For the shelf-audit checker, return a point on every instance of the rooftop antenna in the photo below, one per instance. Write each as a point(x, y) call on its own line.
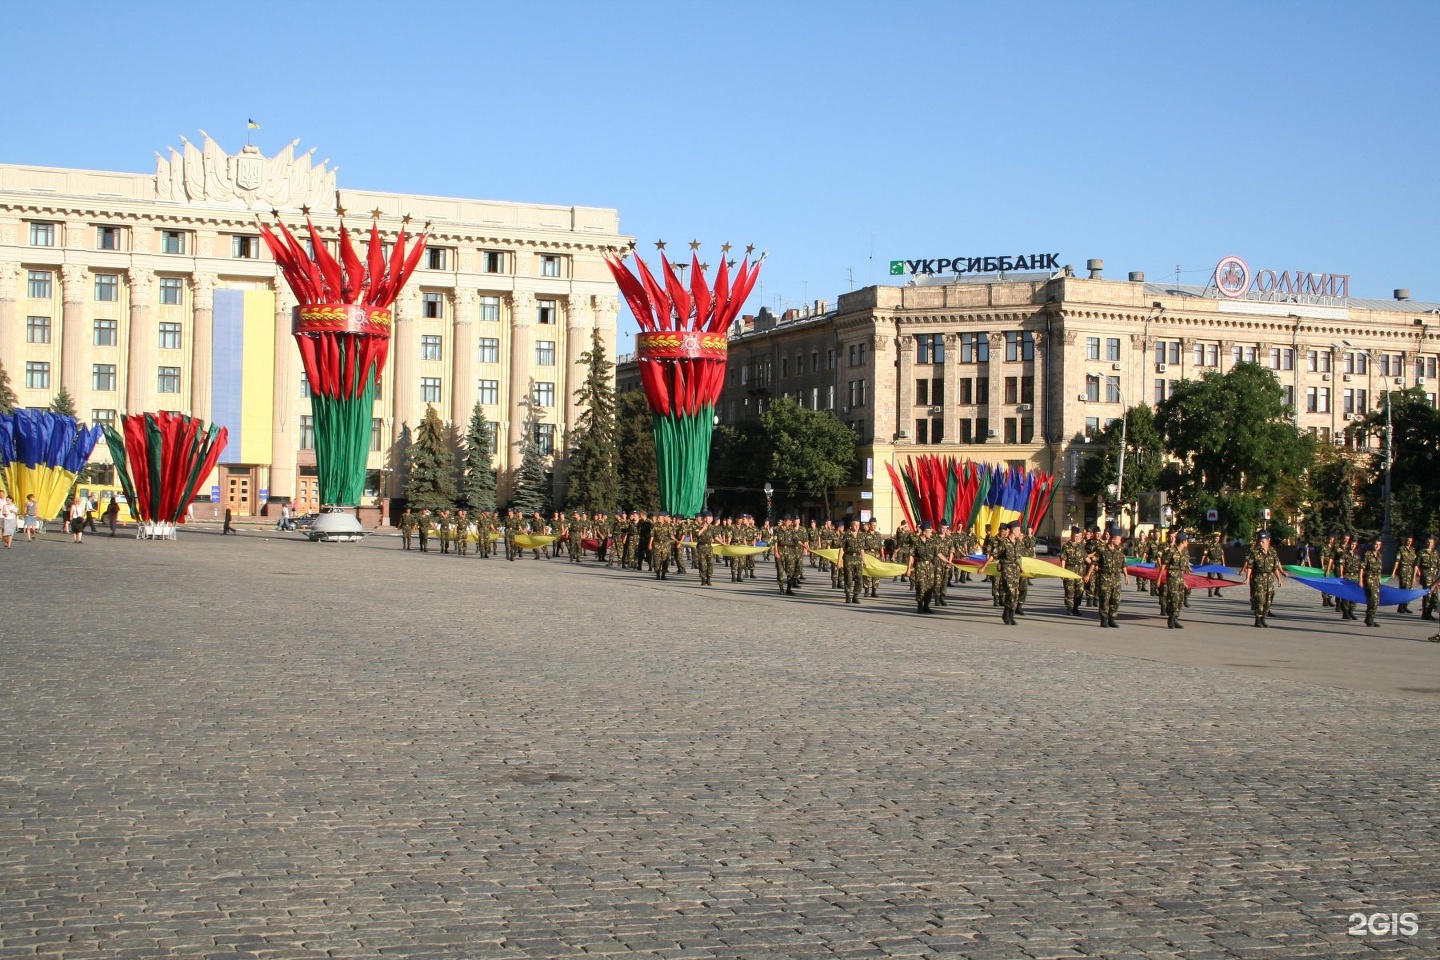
point(850, 272)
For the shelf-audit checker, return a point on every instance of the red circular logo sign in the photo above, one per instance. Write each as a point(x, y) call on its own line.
point(1232, 277)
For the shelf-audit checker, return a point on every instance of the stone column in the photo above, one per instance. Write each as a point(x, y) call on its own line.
point(607, 310)
point(140, 363)
point(579, 321)
point(9, 320)
point(74, 278)
point(951, 373)
point(905, 349)
point(202, 291)
point(285, 431)
point(995, 372)
point(1038, 407)
point(404, 395)
point(522, 315)
point(463, 390)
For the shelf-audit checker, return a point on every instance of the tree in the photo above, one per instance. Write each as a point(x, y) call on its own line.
point(594, 475)
point(64, 403)
point(477, 483)
point(635, 446)
point(8, 400)
point(431, 481)
point(1144, 457)
point(531, 492)
point(739, 467)
point(811, 451)
point(1414, 468)
point(1232, 442)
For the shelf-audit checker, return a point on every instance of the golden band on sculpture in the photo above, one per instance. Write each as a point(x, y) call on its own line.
point(342, 318)
point(680, 344)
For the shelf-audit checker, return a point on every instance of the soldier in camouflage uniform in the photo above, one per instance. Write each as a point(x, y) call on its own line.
point(1263, 573)
point(462, 533)
point(1427, 572)
point(575, 532)
point(1006, 551)
point(904, 543)
point(705, 548)
point(1404, 572)
point(661, 545)
point(1347, 566)
point(1174, 565)
point(874, 544)
point(444, 530)
point(407, 525)
point(1026, 539)
point(921, 567)
point(852, 560)
point(1372, 572)
point(1107, 574)
point(425, 526)
point(789, 544)
point(1214, 554)
point(1093, 542)
point(512, 530)
point(1327, 563)
point(1072, 558)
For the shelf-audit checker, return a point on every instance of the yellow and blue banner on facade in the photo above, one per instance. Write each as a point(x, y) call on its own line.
point(242, 372)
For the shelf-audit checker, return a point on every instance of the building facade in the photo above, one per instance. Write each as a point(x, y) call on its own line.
point(1025, 370)
point(145, 292)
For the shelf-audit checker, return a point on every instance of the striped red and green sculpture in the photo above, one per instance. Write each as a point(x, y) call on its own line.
point(681, 351)
point(342, 327)
point(162, 459)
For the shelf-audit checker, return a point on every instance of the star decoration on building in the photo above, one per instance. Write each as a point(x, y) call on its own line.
point(659, 244)
point(275, 213)
point(305, 210)
point(339, 210)
point(405, 219)
point(724, 248)
point(377, 213)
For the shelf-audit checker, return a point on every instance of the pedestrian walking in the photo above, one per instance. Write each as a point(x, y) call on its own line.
point(9, 516)
point(79, 507)
point(112, 514)
point(31, 518)
point(229, 515)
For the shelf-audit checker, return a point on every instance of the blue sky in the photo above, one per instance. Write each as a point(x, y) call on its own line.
point(837, 136)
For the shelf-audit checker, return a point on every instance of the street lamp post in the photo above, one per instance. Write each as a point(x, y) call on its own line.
point(769, 499)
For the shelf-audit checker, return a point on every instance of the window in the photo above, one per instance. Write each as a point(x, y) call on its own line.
point(922, 431)
point(430, 389)
point(169, 336)
point(1112, 348)
point(431, 346)
point(974, 348)
point(830, 397)
point(784, 366)
point(1160, 393)
point(814, 361)
point(102, 418)
point(1092, 348)
point(1425, 367)
point(967, 431)
point(830, 360)
point(543, 394)
point(545, 353)
point(107, 287)
point(982, 390)
point(489, 391)
point(102, 376)
point(492, 261)
point(37, 375)
point(937, 391)
point(1012, 430)
point(857, 393)
point(489, 349)
point(1274, 358)
point(1019, 345)
point(172, 291)
point(168, 380)
point(377, 433)
point(107, 333)
point(1317, 399)
point(490, 308)
point(42, 234)
point(304, 385)
point(432, 305)
point(1092, 427)
point(922, 393)
point(1092, 388)
point(37, 329)
point(1392, 365)
point(172, 241)
point(1288, 391)
point(307, 432)
point(549, 266)
point(436, 258)
point(799, 364)
point(492, 432)
point(1012, 389)
point(930, 348)
point(857, 354)
point(967, 391)
point(1027, 389)
point(1287, 359)
point(545, 311)
point(39, 285)
point(107, 238)
point(545, 438)
point(245, 248)
point(1112, 389)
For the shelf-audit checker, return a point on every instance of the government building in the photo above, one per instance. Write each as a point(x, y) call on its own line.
point(1024, 369)
point(146, 292)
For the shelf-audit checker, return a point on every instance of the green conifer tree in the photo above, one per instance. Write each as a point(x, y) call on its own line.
point(532, 487)
point(635, 441)
point(594, 473)
point(7, 395)
point(64, 403)
point(431, 483)
point(477, 485)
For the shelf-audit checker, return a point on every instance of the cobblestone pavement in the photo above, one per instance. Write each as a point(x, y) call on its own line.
point(261, 747)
